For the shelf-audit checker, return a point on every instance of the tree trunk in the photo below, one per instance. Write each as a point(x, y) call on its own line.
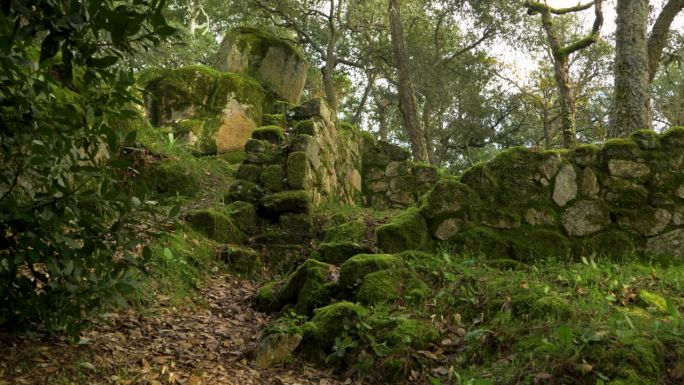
point(328, 71)
point(381, 105)
point(407, 95)
point(427, 131)
point(680, 117)
point(364, 99)
point(547, 129)
point(567, 100)
point(631, 111)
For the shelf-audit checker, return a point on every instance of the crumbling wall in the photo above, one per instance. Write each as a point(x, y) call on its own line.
point(622, 199)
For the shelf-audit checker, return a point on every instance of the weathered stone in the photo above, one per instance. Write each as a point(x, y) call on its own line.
point(272, 134)
point(297, 170)
point(377, 186)
point(242, 260)
point(297, 201)
point(426, 174)
point(667, 245)
point(243, 190)
point(448, 197)
point(646, 139)
point(273, 178)
point(355, 180)
point(589, 186)
point(301, 225)
point(249, 172)
point(313, 108)
point(584, 155)
point(627, 168)
point(678, 217)
point(550, 166)
point(500, 220)
point(243, 215)
point(680, 191)
point(402, 198)
point(448, 228)
point(396, 168)
point(273, 61)
point(307, 144)
point(565, 188)
point(647, 221)
point(373, 173)
point(274, 349)
point(537, 217)
point(585, 218)
point(215, 111)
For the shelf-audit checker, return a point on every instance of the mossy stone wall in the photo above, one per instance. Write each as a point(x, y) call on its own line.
point(623, 198)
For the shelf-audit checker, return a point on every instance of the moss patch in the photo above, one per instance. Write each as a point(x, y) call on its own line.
point(297, 170)
point(406, 231)
point(287, 202)
point(356, 268)
point(309, 287)
point(327, 324)
point(339, 252)
point(273, 178)
point(215, 225)
point(272, 134)
point(388, 286)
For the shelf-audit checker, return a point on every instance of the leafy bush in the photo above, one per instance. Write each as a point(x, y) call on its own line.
point(67, 243)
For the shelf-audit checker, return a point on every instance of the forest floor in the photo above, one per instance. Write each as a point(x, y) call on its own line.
point(165, 344)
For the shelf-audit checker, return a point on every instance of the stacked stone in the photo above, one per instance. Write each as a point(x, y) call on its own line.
point(624, 199)
point(390, 180)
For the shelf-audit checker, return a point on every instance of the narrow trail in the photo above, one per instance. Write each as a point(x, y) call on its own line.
point(168, 345)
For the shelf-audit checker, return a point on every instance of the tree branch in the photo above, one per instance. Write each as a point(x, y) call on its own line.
point(658, 36)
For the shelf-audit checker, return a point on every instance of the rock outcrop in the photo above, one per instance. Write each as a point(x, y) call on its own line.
point(275, 62)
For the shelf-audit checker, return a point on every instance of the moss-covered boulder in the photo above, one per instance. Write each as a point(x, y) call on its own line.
point(309, 287)
point(299, 224)
point(297, 170)
point(267, 298)
point(353, 271)
point(531, 245)
point(271, 134)
point(612, 244)
point(339, 252)
point(272, 60)
point(352, 230)
point(249, 173)
point(402, 332)
point(274, 349)
point(406, 231)
point(217, 110)
point(241, 260)
point(482, 241)
point(243, 215)
point(674, 137)
point(169, 178)
point(392, 285)
point(242, 190)
point(297, 201)
point(667, 245)
point(327, 324)
point(279, 120)
point(262, 152)
point(216, 225)
point(273, 178)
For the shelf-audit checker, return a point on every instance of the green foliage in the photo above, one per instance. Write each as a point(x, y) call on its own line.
point(67, 244)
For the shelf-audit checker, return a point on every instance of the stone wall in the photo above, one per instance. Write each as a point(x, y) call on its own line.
point(622, 199)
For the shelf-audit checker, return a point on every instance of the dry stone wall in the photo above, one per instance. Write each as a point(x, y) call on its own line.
point(622, 199)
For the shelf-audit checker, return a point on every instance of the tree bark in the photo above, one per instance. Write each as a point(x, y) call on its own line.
point(680, 117)
point(561, 58)
point(364, 99)
point(381, 105)
point(407, 95)
point(658, 36)
point(427, 132)
point(632, 94)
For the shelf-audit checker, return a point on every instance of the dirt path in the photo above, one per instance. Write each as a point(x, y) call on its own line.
point(166, 346)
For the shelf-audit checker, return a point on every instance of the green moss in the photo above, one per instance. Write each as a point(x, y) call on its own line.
point(533, 245)
point(275, 120)
point(299, 224)
point(203, 89)
point(619, 149)
point(309, 287)
point(346, 126)
point(262, 152)
point(258, 42)
point(272, 134)
point(233, 157)
point(408, 333)
point(215, 225)
point(388, 286)
point(297, 201)
point(273, 178)
point(646, 139)
point(242, 260)
point(357, 267)
point(339, 252)
point(513, 170)
point(381, 153)
point(267, 299)
point(674, 137)
point(173, 177)
point(613, 244)
point(584, 155)
point(297, 170)
point(305, 127)
point(350, 231)
point(249, 173)
point(243, 215)
point(242, 190)
point(654, 301)
point(624, 194)
point(327, 324)
point(481, 241)
point(481, 180)
point(406, 231)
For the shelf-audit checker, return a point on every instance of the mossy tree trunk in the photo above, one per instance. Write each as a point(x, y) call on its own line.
point(561, 57)
point(637, 58)
point(407, 94)
point(680, 117)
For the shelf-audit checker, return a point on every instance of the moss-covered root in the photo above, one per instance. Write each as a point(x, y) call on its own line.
point(406, 231)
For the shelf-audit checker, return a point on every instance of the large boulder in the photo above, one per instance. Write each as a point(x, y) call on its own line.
point(273, 61)
point(213, 112)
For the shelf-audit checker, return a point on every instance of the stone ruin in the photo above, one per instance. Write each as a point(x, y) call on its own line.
point(624, 198)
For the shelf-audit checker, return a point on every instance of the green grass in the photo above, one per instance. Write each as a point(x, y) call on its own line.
point(577, 323)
